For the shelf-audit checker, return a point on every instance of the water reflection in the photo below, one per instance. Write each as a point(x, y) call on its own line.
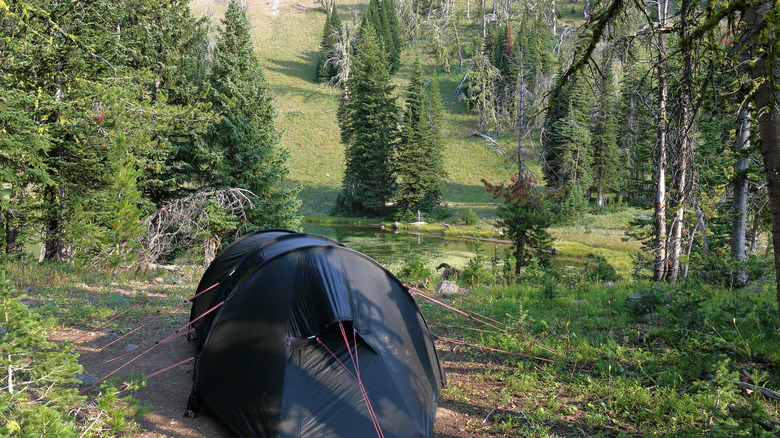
point(393, 250)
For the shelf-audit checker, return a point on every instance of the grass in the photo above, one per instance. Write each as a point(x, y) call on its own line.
point(616, 369)
point(287, 45)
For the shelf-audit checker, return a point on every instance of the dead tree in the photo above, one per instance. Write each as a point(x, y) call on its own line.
point(189, 220)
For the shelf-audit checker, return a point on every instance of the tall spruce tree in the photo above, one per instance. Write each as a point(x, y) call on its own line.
point(607, 174)
point(326, 70)
point(244, 144)
point(384, 19)
point(419, 164)
point(566, 145)
point(368, 118)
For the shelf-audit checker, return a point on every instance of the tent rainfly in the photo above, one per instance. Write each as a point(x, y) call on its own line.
point(303, 337)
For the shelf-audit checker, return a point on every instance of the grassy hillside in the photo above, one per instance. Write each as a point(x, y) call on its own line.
point(287, 36)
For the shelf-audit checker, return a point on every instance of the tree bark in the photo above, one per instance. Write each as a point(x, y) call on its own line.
point(682, 149)
point(766, 100)
point(739, 206)
point(659, 232)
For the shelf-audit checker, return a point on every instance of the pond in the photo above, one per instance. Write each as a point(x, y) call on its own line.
point(392, 250)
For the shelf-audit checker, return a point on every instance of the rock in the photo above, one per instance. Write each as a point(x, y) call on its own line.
point(130, 347)
point(632, 299)
point(87, 379)
point(447, 288)
point(159, 280)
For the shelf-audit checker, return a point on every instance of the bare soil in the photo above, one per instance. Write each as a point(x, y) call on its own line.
point(166, 394)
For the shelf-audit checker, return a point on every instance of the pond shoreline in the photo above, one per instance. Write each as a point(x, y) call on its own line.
point(406, 228)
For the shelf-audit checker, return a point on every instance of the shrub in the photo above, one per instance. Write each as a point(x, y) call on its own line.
point(415, 270)
point(40, 392)
point(475, 272)
point(471, 218)
point(598, 269)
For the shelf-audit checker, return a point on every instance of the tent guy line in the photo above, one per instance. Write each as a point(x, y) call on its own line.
point(151, 347)
point(355, 375)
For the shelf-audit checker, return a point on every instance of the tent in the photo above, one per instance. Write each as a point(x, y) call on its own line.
point(303, 337)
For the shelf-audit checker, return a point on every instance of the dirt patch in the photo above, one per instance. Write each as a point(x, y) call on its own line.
point(166, 394)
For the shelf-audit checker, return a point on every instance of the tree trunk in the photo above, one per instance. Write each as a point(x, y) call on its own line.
point(766, 100)
point(13, 222)
point(739, 208)
point(54, 245)
point(659, 232)
point(682, 149)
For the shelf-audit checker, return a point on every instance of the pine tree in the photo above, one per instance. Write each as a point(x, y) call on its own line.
point(326, 70)
point(393, 29)
point(607, 174)
point(384, 20)
point(244, 143)
point(22, 167)
point(419, 163)
point(566, 146)
point(97, 72)
point(368, 119)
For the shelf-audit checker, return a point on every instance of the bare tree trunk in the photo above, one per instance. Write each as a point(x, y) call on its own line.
point(682, 149)
point(739, 208)
point(766, 100)
point(659, 232)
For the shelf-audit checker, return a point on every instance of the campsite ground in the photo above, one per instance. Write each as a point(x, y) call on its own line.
point(166, 394)
point(578, 361)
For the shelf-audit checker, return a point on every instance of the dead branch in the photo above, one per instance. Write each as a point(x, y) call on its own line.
point(766, 392)
point(179, 223)
point(491, 140)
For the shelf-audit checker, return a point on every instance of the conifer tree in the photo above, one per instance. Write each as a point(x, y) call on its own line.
point(245, 141)
point(22, 167)
point(419, 164)
point(606, 159)
point(384, 20)
point(567, 150)
point(368, 118)
point(98, 72)
point(393, 28)
point(326, 70)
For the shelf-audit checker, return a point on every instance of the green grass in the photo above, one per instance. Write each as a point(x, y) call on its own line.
point(287, 45)
point(661, 370)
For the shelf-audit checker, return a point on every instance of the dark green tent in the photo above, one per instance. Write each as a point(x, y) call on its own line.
point(303, 337)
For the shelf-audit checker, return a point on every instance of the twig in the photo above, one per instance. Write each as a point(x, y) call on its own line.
point(488, 415)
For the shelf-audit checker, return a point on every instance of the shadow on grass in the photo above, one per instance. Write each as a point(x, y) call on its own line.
point(303, 68)
point(317, 200)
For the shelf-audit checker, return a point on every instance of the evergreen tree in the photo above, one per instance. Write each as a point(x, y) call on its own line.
point(393, 29)
point(22, 167)
point(98, 72)
point(384, 20)
point(326, 70)
point(607, 174)
point(244, 143)
point(567, 150)
point(368, 119)
point(419, 164)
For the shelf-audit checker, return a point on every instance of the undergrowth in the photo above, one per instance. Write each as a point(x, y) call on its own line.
point(41, 396)
point(598, 363)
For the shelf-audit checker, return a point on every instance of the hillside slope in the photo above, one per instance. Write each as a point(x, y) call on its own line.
point(287, 36)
